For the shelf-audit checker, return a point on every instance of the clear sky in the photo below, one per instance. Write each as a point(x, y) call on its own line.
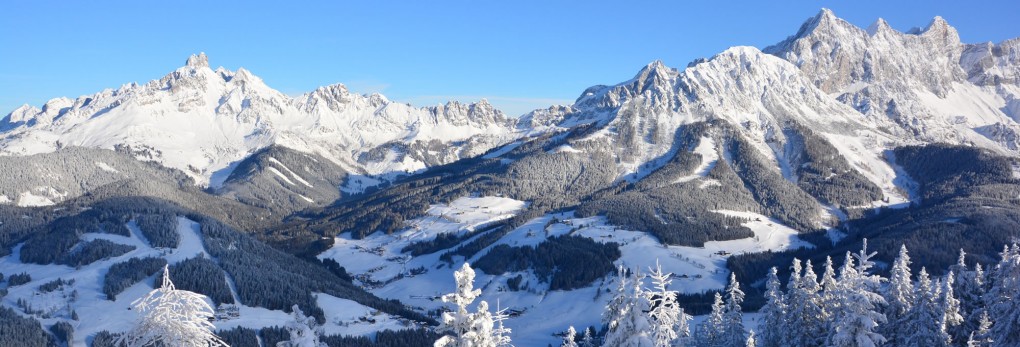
point(518, 54)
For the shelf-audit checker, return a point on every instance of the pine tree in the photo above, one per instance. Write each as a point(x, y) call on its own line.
point(469, 329)
point(669, 322)
point(568, 338)
point(949, 307)
point(980, 336)
point(588, 340)
point(969, 287)
point(501, 334)
point(733, 332)
point(1003, 299)
point(629, 327)
point(710, 332)
point(806, 323)
point(829, 287)
point(858, 319)
point(899, 295)
point(172, 317)
point(773, 313)
point(304, 331)
point(925, 319)
point(751, 341)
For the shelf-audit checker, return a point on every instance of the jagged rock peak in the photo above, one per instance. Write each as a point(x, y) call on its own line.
point(199, 60)
point(656, 68)
point(824, 20)
point(878, 26)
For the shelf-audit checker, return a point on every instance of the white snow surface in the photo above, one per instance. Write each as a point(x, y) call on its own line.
point(709, 156)
point(106, 167)
point(40, 196)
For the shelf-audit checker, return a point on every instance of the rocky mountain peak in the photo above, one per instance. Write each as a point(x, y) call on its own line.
point(197, 60)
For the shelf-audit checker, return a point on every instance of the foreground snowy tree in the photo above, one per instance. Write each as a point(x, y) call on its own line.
point(806, 321)
point(588, 340)
point(669, 322)
point(925, 318)
point(710, 331)
point(773, 313)
point(969, 287)
point(733, 333)
point(304, 331)
point(628, 324)
point(857, 321)
point(569, 337)
point(470, 329)
point(1003, 299)
point(980, 336)
point(172, 317)
point(899, 295)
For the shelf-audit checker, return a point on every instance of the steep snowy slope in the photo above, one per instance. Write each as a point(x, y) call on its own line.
point(201, 120)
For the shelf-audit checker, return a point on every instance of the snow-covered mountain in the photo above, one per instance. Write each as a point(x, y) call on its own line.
point(923, 84)
point(202, 121)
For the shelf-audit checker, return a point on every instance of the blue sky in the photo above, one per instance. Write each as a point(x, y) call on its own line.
point(519, 54)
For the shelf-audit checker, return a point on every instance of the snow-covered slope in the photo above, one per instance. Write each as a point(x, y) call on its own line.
point(201, 120)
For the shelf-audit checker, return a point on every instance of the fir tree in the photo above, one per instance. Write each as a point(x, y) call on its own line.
point(568, 338)
point(733, 331)
point(806, 323)
point(629, 327)
point(899, 295)
point(980, 337)
point(969, 287)
point(858, 319)
point(172, 317)
point(924, 317)
point(710, 332)
point(588, 340)
point(304, 331)
point(1003, 299)
point(469, 329)
point(773, 313)
point(669, 322)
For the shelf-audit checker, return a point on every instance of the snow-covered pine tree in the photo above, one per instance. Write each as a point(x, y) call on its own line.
point(949, 307)
point(1003, 299)
point(669, 322)
point(588, 340)
point(855, 324)
point(304, 331)
point(969, 287)
point(924, 317)
point(751, 341)
point(172, 317)
point(980, 336)
point(899, 296)
point(617, 305)
point(630, 326)
point(773, 313)
point(469, 329)
point(806, 324)
point(710, 332)
point(734, 334)
point(568, 338)
point(829, 287)
point(501, 334)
